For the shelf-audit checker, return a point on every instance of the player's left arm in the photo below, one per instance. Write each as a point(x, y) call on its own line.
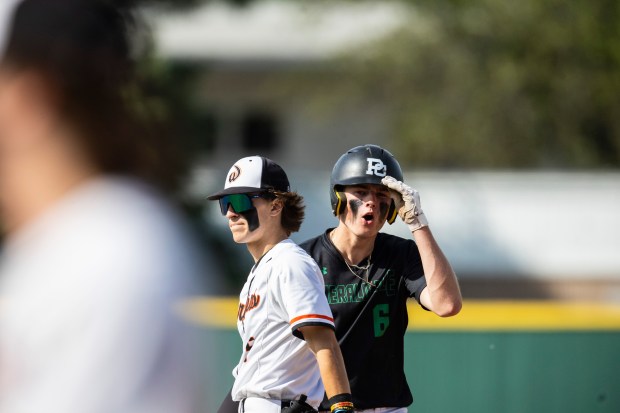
point(303, 294)
point(442, 294)
point(322, 341)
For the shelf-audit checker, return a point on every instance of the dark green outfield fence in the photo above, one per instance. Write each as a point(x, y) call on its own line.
point(494, 357)
point(514, 372)
point(484, 372)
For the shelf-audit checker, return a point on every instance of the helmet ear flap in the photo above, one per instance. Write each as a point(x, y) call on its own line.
point(392, 213)
point(340, 202)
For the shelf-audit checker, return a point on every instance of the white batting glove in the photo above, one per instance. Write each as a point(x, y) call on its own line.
point(407, 202)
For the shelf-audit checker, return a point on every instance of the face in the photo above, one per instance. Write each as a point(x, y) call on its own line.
point(29, 126)
point(8, 108)
point(27, 112)
point(13, 123)
point(367, 208)
point(252, 225)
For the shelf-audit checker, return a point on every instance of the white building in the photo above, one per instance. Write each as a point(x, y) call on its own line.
point(267, 81)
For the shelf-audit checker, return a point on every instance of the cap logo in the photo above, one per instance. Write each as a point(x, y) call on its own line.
point(376, 167)
point(234, 174)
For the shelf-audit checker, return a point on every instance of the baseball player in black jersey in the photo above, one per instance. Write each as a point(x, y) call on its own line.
point(370, 275)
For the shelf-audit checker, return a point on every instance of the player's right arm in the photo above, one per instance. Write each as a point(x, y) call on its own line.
point(322, 341)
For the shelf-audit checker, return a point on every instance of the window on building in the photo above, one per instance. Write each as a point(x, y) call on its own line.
point(260, 131)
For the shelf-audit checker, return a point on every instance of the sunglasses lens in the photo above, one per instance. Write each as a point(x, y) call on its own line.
point(238, 202)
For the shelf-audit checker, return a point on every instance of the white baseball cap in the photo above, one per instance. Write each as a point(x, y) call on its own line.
point(253, 174)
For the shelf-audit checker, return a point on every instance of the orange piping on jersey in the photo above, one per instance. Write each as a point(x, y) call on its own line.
point(301, 317)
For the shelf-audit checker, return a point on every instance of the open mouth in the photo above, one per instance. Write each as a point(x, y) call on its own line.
point(368, 217)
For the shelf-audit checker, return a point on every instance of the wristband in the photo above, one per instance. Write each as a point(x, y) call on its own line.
point(341, 403)
point(342, 407)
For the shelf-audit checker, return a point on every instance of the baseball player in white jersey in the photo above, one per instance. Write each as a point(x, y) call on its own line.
point(290, 355)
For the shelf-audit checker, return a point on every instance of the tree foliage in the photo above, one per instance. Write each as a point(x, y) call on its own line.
point(493, 83)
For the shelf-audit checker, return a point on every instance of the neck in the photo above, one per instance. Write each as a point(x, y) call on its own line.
point(352, 248)
point(259, 248)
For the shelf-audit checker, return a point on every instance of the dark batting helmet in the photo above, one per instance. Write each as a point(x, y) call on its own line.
point(366, 164)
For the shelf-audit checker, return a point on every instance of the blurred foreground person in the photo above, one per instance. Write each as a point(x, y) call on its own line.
point(93, 257)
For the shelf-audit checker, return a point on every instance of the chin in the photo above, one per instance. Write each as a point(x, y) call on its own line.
point(240, 236)
point(374, 227)
point(367, 232)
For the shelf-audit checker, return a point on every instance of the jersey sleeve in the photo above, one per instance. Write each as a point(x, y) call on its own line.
point(303, 294)
point(414, 272)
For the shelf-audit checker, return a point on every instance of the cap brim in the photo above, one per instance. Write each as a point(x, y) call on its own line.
point(234, 190)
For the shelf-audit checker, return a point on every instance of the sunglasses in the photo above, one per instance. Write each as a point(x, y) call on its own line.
point(240, 202)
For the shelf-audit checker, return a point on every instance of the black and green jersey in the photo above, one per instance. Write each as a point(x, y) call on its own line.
point(371, 318)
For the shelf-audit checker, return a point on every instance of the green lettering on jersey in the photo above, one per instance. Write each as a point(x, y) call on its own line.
point(358, 292)
point(346, 293)
point(381, 318)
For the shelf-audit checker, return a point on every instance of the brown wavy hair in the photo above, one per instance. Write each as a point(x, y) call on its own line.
point(293, 211)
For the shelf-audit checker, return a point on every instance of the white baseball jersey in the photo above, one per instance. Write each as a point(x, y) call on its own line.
point(284, 291)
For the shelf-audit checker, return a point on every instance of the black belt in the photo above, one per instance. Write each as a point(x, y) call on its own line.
point(297, 406)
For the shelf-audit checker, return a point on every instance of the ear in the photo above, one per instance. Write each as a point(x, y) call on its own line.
point(277, 205)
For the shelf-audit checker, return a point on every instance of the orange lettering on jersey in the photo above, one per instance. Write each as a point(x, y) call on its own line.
point(251, 303)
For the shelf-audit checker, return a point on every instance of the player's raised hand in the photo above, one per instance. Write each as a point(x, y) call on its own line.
point(407, 202)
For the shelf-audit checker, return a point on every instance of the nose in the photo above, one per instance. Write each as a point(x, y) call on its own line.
point(371, 199)
point(231, 213)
